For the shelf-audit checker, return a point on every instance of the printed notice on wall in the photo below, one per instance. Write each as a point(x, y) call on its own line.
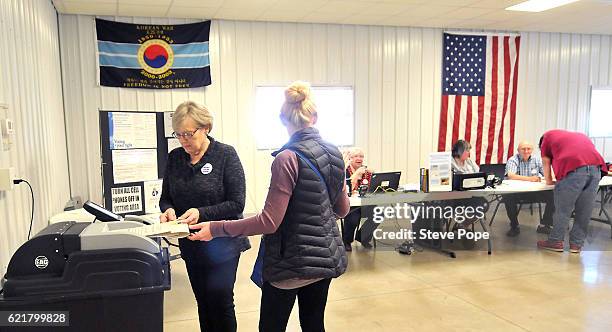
point(134, 165)
point(173, 143)
point(168, 124)
point(126, 199)
point(132, 130)
point(440, 171)
point(152, 193)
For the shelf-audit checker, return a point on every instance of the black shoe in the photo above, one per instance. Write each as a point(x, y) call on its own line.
point(544, 229)
point(514, 231)
point(347, 247)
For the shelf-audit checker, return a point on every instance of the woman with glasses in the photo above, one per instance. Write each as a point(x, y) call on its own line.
point(303, 246)
point(204, 180)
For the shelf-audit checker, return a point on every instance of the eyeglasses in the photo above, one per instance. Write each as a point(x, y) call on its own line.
point(186, 135)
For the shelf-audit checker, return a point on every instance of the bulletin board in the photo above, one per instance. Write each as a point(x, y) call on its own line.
point(134, 148)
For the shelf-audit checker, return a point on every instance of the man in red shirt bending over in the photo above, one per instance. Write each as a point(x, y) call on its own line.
point(578, 168)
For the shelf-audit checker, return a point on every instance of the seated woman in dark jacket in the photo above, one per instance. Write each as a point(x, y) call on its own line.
point(303, 247)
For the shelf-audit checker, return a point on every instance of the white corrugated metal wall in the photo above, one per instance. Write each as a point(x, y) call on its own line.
point(395, 73)
point(30, 84)
point(556, 73)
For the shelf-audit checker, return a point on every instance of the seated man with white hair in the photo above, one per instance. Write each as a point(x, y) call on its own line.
point(524, 166)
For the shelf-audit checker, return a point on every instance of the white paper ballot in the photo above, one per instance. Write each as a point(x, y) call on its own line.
point(132, 130)
point(152, 194)
point(172, 229)
point(134, 165)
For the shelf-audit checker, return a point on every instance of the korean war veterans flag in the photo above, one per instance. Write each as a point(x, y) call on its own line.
point(153, 56)
point(479, 80)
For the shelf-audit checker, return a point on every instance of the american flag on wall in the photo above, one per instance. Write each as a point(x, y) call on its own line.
point(479, 80)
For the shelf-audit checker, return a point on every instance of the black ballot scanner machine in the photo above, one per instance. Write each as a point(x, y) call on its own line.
point(105, 279)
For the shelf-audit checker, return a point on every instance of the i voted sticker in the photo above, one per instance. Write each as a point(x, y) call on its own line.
point(206, 169)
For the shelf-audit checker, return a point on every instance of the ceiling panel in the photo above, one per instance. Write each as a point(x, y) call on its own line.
point(306, 6)
point(344, 6)
point(90, 8)
point(495, 4)
point(365, 20)
point(594, 16)
point(196, 3)
point(466, 13)
point(156, 3)
point(428, 11)
point(192, 12)
point(139, 10)
point(319, 17)
point(282, 15)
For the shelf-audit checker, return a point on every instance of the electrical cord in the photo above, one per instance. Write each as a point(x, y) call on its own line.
point(18, 181)
point(169, 243)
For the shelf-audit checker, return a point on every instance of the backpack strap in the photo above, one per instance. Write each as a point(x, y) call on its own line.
point(315, 169)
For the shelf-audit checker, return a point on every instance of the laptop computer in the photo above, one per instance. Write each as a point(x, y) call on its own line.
point(498, 169)
point(384, 181)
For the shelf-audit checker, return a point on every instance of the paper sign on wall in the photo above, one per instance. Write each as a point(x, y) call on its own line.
point(173, 143)
point(126, 199)
point(168, 124)
point(132, 130)
point(152, 194)
point(134, 165)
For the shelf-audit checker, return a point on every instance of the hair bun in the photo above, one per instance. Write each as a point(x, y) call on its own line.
point(297, 92)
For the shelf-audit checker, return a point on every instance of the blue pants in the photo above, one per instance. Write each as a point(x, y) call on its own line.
point(575, 192)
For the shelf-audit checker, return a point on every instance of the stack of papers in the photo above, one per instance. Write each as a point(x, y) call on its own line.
point(171, 229)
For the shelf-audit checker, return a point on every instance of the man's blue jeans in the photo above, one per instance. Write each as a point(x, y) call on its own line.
point(575, 192)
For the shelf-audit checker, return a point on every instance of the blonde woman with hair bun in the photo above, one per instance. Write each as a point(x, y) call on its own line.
point(298, 110)
point(301, 250)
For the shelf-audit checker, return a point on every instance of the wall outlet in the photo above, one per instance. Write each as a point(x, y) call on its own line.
point(7, 175)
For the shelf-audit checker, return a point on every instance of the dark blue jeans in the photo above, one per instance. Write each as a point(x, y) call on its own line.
point(576, 192)
point(213, 287)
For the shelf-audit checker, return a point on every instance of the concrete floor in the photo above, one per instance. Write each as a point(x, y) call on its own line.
point(517, 288)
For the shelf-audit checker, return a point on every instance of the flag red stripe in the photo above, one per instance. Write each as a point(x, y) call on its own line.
point(443, 124)
point(481, 102)
point(513, 99)
point(456, 118)
point(468, 120)
point(507, 64)
point(493, 110)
